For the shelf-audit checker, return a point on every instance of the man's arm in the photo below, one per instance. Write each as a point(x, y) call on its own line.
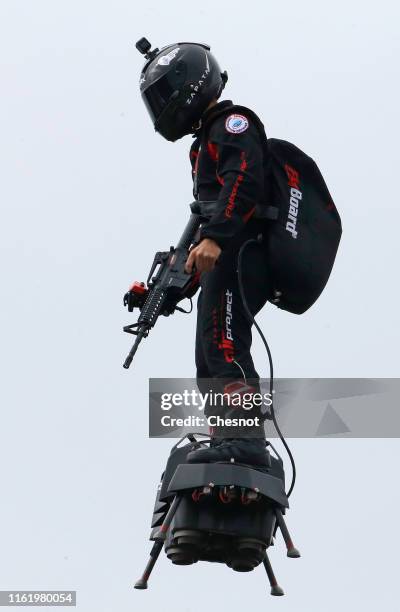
point(236, 145)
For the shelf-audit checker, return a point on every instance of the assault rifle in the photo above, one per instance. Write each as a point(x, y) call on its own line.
point(167, 284)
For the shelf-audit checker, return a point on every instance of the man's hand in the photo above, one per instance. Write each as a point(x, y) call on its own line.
point(203, 257)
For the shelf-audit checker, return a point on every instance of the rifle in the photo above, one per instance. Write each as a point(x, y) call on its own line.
point(168, 286)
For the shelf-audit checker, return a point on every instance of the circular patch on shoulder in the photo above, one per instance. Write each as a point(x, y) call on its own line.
point(236, 124)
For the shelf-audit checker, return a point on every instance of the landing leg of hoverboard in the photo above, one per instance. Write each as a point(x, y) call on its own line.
point(275, 588)
point(158, 544)
point(292, 552)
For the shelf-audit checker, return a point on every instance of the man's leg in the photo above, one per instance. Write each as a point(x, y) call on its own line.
point(223, 343)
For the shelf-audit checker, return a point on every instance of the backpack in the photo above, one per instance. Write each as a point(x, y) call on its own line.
point(304, 235)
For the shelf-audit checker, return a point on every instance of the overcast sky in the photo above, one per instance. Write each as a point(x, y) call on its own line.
point(88, 193)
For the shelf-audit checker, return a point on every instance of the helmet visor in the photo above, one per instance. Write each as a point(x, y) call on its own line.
point(157, 96)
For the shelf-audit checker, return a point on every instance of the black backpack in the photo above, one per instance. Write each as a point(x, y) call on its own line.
point(304, 236)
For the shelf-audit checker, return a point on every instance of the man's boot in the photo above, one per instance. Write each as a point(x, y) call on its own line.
point(250, 451)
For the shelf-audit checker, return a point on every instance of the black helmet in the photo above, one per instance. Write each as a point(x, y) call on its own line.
point(177, 85)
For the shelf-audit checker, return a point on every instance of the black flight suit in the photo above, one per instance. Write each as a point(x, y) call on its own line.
point(228, 166)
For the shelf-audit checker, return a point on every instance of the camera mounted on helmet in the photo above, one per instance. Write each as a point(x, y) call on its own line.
point(177, 84)
point(144, 46)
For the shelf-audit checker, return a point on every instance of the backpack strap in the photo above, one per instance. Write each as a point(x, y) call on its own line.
point(206, 208)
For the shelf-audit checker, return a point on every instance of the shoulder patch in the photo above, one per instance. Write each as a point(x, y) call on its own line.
point(236, 124)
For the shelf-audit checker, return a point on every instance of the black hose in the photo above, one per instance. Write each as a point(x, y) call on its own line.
point(271, 366)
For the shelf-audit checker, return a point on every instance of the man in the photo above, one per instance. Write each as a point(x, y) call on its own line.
point(181, 86)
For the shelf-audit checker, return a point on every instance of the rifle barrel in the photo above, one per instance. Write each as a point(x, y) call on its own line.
point(139, 337)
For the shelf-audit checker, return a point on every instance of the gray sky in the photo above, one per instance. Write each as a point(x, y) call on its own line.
point(88, 193)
